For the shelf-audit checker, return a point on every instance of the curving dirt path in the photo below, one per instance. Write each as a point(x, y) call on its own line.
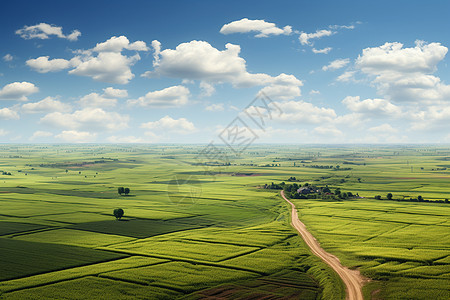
point(352, 279)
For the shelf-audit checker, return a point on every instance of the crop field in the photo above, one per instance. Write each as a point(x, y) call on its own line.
point(22, 258)
point(387, 242)
point(195, 231)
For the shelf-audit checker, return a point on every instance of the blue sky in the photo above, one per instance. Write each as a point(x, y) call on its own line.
point(182, 71)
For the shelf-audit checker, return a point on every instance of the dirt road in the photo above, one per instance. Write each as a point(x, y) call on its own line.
point(352, 279)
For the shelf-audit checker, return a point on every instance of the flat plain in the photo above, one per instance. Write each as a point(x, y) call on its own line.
point(195, 230)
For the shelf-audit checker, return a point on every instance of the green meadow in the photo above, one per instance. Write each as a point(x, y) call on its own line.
point(196, 230)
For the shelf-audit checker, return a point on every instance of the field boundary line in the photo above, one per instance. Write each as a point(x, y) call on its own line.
point(241, 254)
point(187, 260)
point(244, 245)
point(105, 276)
point(222, 243)
point(73, 277)
point(4, 289)
point(374, 220)
point(387, 232)
point(14, 234)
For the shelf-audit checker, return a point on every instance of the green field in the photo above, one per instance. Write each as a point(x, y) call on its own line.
point(193, 231)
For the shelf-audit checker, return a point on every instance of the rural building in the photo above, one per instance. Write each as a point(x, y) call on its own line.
point(305, 190)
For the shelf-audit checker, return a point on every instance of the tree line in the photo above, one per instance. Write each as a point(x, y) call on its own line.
point(419, 198)
point(293, 191)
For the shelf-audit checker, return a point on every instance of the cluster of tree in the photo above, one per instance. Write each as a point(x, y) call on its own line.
point(271, 165)
point(389, 197)
point(123, 190)
point(419, 198)
point(118, 213)
point(211, 163)
point(343, 195)
point(274, 186)
point(336, 168)
point(80, 164)
point(288, 188)
point(303, 196)
point(292, 179)
point(5, 173)
point(294, 191)
point(321, 167)
point(353, 163)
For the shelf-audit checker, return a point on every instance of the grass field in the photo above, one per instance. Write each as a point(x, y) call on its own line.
point(190, 234)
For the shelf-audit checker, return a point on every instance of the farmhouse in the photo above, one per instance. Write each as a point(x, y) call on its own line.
point(305, 190)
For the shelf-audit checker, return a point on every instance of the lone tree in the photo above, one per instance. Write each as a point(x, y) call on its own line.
point(121, 190)
point(389, 196)
point(118, 213)
point(126, 191)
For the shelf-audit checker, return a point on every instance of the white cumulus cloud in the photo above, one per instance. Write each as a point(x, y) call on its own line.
point(18, 91)
point(322, 51)
point(433, 118)
point(8, 114)
point(173, 96)
point(44, 65)
point(383, 129)
point(105, 100)
point(172, 125)
point(215, 107)
point(301, 112)
point(8, 57)
point(405, 74)
point(283, 87)
point(40, 134)
point(261, 27)
point(305, 38)
point(392, 57)
point(73, 136)
point(105, 62)
point(375, 107)
point(115, 93)
point(111, 67)
point(198, 60)
point(46, 105)
point(44, 31)
point(93, 119)
point(347, 76)
point(207, 89)
point(328, 130)
point(117, 44)
point(336, 64)
point(156, 45)
point(96, 100)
